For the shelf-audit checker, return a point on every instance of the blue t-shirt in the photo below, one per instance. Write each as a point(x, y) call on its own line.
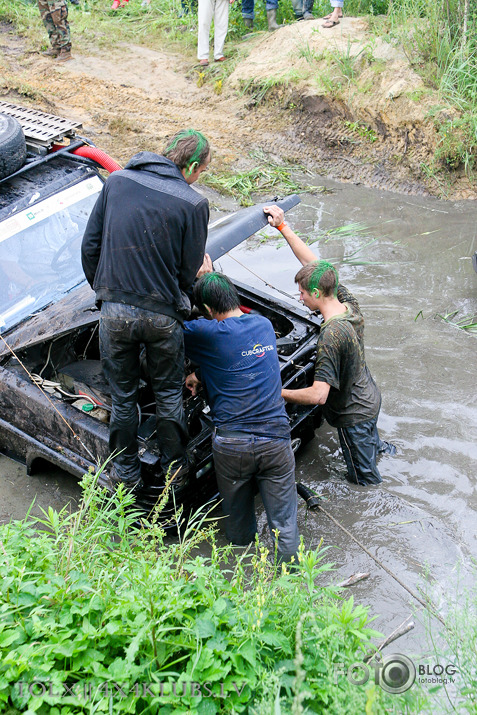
point(240, 372)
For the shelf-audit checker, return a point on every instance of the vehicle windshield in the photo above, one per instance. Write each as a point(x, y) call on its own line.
point(40, 251)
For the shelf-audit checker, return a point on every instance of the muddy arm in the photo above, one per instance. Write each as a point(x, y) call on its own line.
point(276, 218)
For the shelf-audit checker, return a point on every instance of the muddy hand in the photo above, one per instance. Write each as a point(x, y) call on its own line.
point(192, 383)
point(276, 215)
point(206, 266)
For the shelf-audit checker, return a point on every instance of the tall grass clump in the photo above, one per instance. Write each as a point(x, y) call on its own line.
point(99, 614)
point(440, 39)
point(457, 644)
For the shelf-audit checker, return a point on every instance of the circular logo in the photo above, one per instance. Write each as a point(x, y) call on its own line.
point(398, 673)
point(258, 350)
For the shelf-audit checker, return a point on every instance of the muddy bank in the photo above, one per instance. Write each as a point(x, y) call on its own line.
point(287, 96)
point(358, 110)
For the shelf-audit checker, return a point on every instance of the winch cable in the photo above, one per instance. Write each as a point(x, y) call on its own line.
point(312, 500)
point(45, 394)
point(269, 285)
point(429, 607)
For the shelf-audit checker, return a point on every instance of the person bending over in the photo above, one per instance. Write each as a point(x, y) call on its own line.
point(240, 374)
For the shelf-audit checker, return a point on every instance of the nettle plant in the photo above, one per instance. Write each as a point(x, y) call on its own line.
point(100, 614)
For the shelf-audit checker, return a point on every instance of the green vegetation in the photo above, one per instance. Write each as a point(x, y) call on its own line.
point(266, 177)
point(440, 40)
point(463, 322)
point(264, 90)
point(362, 130)
point(97, 602)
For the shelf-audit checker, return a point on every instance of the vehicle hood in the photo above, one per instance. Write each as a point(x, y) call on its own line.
point(77, 308)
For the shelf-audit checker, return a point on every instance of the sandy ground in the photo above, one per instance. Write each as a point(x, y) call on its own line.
point(272, 101)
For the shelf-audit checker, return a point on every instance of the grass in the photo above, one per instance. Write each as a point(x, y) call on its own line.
point(262, 90)
point(266, 177)
point(97, 600)
point(362, 130)
point(432, 34)
point(463, 322)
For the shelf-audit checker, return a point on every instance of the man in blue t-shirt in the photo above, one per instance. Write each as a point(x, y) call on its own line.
point(239, 371)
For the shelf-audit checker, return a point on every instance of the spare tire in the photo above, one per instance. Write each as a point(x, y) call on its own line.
point(12, 145)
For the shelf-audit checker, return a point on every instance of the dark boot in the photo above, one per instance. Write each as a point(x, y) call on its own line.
point(52, 52)
point(64, 55)
point(248, 22)
point(272, 20)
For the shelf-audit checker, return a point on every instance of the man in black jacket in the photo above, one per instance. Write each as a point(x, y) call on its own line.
point(142, 248)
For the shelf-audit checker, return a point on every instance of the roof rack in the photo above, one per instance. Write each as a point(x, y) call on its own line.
point(41, 130)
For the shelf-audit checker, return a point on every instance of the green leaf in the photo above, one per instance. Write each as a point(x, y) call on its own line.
point(219, 606)
point(247, 649)
point(205, 628)
point(275, 638)
point(8, 637)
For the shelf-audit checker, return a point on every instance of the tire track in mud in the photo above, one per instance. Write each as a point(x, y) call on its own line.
point(126, 108)
point(123, 116)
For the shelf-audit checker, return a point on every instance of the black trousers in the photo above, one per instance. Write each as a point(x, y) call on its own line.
point(242, 462)
point(123, 330)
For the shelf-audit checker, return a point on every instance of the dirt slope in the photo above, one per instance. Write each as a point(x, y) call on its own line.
point(129, 106)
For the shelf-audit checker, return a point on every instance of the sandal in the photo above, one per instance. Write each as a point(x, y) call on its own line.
point(327, 17)
point(204, 63)
point(330, 23)
point(220, 59)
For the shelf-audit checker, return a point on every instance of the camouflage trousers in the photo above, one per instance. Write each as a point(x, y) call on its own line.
point(54, 14)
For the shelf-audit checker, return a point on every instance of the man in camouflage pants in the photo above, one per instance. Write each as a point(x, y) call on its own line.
point(54, 14)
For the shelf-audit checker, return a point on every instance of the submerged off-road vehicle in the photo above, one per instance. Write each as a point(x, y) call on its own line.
point(54, 399)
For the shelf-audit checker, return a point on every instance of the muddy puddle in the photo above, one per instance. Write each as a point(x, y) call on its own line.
point(407, 260)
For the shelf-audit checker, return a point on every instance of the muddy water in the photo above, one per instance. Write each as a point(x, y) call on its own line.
point(423, 517)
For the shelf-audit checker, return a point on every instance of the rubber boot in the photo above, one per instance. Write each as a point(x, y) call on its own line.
point(248, 22)
point(272, 20)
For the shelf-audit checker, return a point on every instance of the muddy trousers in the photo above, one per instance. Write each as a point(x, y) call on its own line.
point(54, 14)
point(242, 463)
point(123, 330)
point(248, 7)
point(360, 445)
point(217, 10)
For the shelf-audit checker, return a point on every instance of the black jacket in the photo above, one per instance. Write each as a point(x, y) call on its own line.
point(145, 238)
